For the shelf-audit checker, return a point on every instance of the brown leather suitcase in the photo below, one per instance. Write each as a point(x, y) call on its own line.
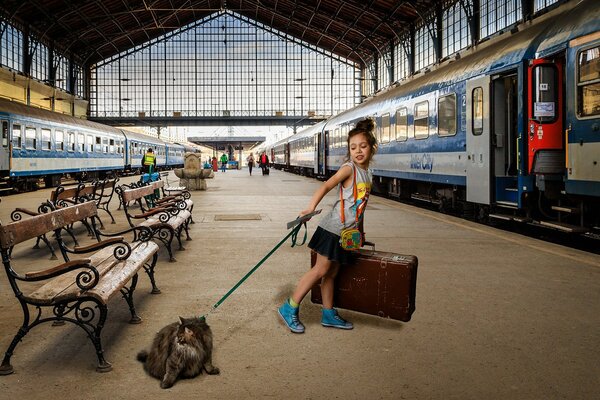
point(378, 283)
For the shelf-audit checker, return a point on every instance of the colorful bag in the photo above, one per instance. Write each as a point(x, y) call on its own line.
point(350, 238)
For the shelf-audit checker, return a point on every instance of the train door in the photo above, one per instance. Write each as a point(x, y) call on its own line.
point(4, 146)
point(545, 117)
point(478, 140)
point(322, 153)
point(504, 128)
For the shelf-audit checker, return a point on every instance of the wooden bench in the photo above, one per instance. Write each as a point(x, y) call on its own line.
point(59, 197)
point(166, 221)
point(78, 290)
point(103, 194)
point(173, 196)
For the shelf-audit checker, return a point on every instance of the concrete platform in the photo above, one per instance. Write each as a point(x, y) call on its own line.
point(499, 316)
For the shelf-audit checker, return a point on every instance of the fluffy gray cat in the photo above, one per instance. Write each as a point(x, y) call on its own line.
point(180, 350)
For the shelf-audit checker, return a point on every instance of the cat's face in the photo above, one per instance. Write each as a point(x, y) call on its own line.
point(184, 334)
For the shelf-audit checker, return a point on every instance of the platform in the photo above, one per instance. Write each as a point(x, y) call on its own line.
point(498, 315)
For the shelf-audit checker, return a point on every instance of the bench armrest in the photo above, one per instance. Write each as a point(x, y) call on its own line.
point(142, 233)
point(121, 252)
point(16, 214)
point(98, 245)
point(86, 279)
point(149, 213)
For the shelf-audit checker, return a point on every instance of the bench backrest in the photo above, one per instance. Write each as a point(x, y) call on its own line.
point(136, 194)
point(158, 184)
point(61, 193)
point(25, 229)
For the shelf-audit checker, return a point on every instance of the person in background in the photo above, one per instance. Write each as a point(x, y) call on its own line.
point(215, 164)
point(353, 182)
point(149, 160)
point(250, 161)
point(264, 163)
point(224, 160)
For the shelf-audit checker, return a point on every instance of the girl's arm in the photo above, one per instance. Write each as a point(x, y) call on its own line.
point(344, 174)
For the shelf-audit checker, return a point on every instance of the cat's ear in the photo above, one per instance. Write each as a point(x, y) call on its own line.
point(182, 320)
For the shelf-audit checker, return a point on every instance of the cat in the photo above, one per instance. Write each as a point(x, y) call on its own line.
point(181, 349)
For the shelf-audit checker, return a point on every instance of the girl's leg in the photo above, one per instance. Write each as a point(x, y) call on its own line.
point(327, 286)
point(316, 273)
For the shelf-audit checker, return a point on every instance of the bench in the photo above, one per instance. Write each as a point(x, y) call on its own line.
point(78, 290)
point(166, 221)
point(103, 194)
point(65, 197)
point(173, 196)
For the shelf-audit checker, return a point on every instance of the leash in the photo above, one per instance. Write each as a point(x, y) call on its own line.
point(296, 224)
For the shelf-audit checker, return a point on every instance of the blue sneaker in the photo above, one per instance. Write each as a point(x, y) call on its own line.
point(331, 319)
point(289, 315)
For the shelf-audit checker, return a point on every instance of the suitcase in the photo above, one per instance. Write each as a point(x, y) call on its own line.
point(378, 283)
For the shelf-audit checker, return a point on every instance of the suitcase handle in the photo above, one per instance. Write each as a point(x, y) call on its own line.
point(367, 243)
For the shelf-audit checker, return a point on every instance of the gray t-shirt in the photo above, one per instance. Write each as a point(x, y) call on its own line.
point(332, 221)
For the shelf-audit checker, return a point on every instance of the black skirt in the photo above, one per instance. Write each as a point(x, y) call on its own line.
point(328, 244)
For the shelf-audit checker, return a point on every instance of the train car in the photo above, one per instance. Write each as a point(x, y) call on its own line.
point(306, 150)
point(507, 130)
point(38, 143)
point(175, 155)
point(137, 144)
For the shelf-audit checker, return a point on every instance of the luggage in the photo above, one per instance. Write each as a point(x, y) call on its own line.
point(378, 283)
point(265, 171)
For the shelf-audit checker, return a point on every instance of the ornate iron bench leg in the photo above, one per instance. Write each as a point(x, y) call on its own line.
point(47, 242)
point(166, 235)
point(187, 231)
point(127, 293)
point(103, 365)
point(179, 237)
point(6, 368)
point(149, 268)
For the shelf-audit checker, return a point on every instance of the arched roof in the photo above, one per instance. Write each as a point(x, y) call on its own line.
point(94, 30)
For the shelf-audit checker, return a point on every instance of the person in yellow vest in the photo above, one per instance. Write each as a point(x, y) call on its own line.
point(148, 160)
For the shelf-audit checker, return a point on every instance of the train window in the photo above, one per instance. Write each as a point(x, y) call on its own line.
point(385, 128)
point(336, 138)
point(98, 146)
point(447, 115)
point(422, 120)
point(105, 145)
point(81, 142)
point(30, 138)
point(545, 93)
point(402, 124)
point(588, 83)
point(59, 138)
point(5, 133)
point(477, 111)
point(70, 141)
point(46, 143)
point(90, 143)
point(16, 136)
point(111, 145)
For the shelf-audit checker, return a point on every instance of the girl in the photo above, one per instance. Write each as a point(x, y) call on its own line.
point(362, 145)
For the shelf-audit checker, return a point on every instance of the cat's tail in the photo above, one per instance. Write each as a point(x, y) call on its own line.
point(142, 356)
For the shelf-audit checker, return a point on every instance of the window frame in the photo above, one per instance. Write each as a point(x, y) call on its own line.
point(418, 118)
point(396, 130)
point(455, 119)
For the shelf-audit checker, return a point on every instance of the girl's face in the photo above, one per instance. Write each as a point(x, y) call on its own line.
point(360, 150)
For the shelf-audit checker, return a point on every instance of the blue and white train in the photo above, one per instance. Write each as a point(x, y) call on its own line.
point(508, 130)
point(38, 143)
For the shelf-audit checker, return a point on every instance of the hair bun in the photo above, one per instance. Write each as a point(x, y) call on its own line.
point(366, 125)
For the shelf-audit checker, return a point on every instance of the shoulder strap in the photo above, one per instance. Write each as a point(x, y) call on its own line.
point(354, 192)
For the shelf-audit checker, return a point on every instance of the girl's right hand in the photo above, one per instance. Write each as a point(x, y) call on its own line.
point(304, 212)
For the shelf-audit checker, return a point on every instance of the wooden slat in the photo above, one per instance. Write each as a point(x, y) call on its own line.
point(20, 231)
point(158, 184)
point(137, 193)
point(114, 275)
point(122, 272)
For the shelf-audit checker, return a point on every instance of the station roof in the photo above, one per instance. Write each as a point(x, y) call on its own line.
point(94, 30)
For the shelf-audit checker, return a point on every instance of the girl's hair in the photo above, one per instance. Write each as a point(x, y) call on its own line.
point(367, 128)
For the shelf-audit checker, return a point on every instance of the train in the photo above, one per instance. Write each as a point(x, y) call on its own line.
point(38, 143)
point(506, 130)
